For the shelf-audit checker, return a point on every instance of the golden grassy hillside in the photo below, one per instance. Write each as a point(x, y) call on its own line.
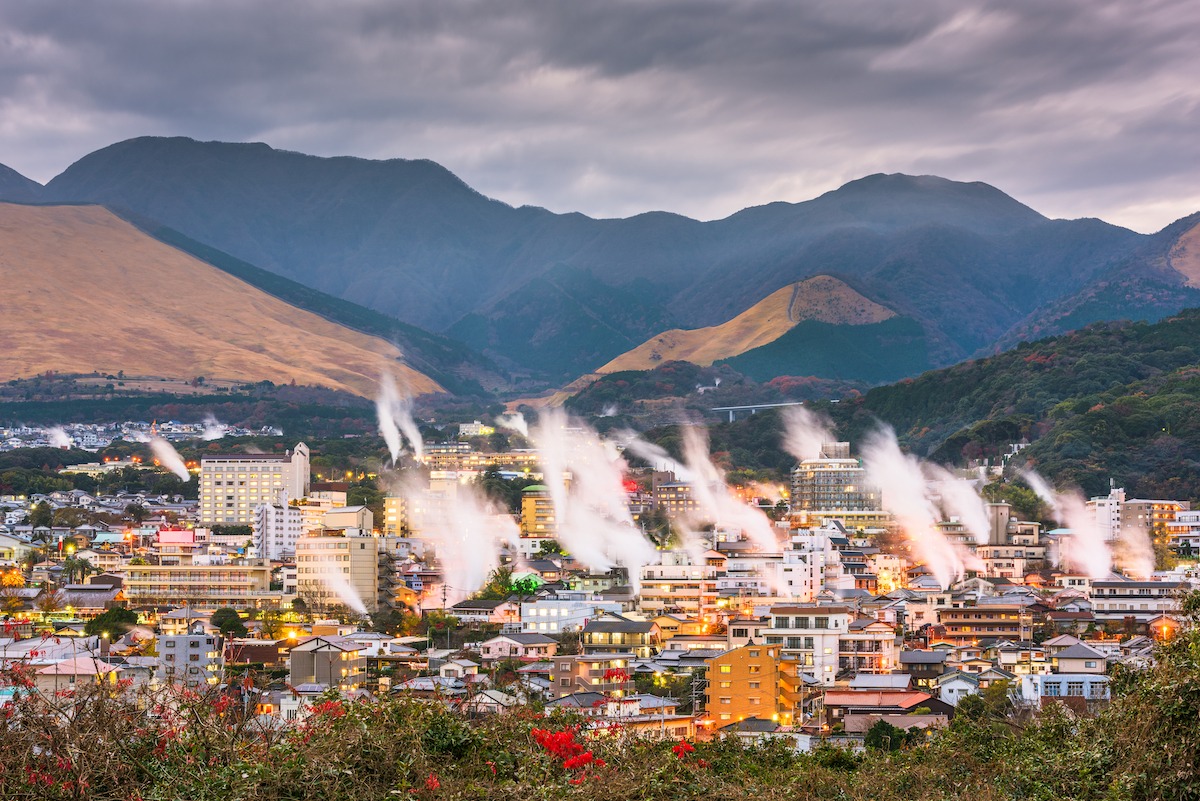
point(1185, 256)
point(822, 298)
point(86, 291)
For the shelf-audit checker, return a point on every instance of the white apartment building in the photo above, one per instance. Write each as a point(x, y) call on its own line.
point(232, 487)
point(565, 611)
point(679, 585)
point(811, 634)
point(1141, 600)
point(277, 526)
point(811, 564)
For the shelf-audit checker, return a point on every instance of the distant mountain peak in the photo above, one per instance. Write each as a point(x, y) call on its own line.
point(18, 188)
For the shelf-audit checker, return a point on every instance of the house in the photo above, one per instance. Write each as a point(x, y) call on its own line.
point(743, 683)
point(460, 669)
point(923, 666)
point(615, 634)
point(70, 674)
point(431, 687)
point(1076, 689)
point(334, 661)
point(956, 685)
point(490, 702)
point(600, 672)
point(477, 612)
point(526, 647)
point(1079, 658)
point(842, 704)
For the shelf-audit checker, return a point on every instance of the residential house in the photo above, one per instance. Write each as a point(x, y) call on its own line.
point(526, 647)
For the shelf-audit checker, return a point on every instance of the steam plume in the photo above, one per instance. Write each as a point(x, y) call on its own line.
point(584, 476)
point(213, 428)
point(514, 422)
point(900, 479)
point(961, 499)
point(59, 438)
point(1085, 550)
point(716, 502)
point(656, 455)
point(169, 458)
point(804, 432)
point(394, 410)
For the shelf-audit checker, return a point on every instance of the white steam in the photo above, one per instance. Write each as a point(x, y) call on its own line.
point(715, 501)
point(584, 476)
point(514, 422)
point(804, 432)
point(961, 499)
point(467, 532)
point(332, 577)
point(1085, 550)
point(655, 455)
point(59, 438)
point(394, 410)
point(906, 495)
point(213, 428)
point(169, 458)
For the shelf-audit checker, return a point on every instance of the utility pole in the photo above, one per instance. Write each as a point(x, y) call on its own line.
point(445, 590)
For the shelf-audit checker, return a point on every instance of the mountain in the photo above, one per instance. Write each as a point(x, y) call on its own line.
point(970, 266)
point(823, 299)
point(16, 187)
point(88, 292)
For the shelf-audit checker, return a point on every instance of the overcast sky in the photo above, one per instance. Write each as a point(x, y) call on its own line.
point(1079, 108)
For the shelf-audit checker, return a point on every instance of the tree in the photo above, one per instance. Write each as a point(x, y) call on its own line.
point(41, 516)
point(228, 622)
point(50, 601)
point(115, 621)
point(135, 512)
point(885, 736)
point(12, 578)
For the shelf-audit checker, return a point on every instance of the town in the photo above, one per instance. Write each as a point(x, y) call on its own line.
point(272, 587)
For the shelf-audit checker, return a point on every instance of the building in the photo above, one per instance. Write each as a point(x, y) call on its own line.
point(743, 683)
point(233, 486)
point(537, 513)
point(606, 673)
point(194, 659)
point(335, 662)
point(1136, 601)
point(348, 517)
point(678, 586)
point(971, 624)
point(277, 526)
point(203, 582)
point(526, 647)
point(615, 634)
point(338, 569)
point(563, 611)
point(834, 486)
point(811, 635)
point(670, 496)
point(1039, 688)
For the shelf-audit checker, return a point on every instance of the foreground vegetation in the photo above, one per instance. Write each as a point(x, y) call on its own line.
point(97, 744)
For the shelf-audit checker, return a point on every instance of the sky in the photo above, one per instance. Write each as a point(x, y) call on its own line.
point(1079, 108)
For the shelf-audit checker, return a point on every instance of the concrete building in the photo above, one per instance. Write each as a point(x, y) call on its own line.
point(277, 526)
point(233, 486)
point(834, 486)
point(812, 635)
point(1139, 601)
point(564, 611)
point(677, 586)
point(338, 569)
point(971, 624)
point(205, 583)
point(194, 659)
point(743, 683)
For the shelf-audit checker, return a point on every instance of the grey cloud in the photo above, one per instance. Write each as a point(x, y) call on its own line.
point(1078, 108)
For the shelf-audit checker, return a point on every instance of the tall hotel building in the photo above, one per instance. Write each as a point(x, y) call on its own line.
point(233, 486)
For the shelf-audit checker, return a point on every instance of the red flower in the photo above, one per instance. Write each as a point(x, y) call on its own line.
point(432, 782)
point(683, 747)
point(576, 762)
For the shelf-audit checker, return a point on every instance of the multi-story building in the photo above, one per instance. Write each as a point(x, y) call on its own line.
point(203, 582)
point(670, 496)
point(338, 569)
point(970, 624)
point(607, 673)
point(277, 526)
point(835, 486)
point(812, 635)
point(743, 683)
point(677, 586)
point(1184, 532)
point(563, 611)
point(537, 513)
point(233, 486)
point(193, 659)
point(1140, 601)
point(615, 634)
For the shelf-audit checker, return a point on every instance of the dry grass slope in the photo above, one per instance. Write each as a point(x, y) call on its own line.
point(86, 291)
point(821, 298)
point(1184, 257)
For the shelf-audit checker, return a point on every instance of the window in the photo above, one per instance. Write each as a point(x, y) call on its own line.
point(822, 623)
point(726, 669)
point(1075, 688)
point(1052, 689)
point(754, 685)
point(726, 700)
point(725, 685)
